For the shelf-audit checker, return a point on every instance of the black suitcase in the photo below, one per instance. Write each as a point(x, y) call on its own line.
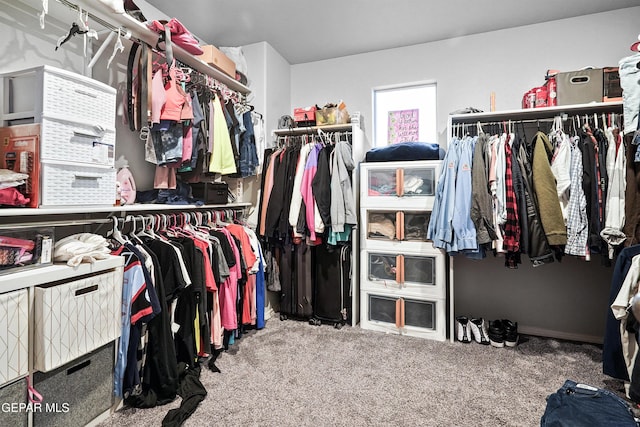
point(332, 285)
point(295, 280)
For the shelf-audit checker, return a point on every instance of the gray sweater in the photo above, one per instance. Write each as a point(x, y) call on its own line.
point(343, 206)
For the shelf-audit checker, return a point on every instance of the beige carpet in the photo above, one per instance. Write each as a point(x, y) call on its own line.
point(295, 374)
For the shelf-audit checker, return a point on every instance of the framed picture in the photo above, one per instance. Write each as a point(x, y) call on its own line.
point(404, 113)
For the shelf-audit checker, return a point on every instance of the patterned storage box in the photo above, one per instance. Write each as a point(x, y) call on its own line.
point(14, 335)
point(72, 319)
point(72, 185)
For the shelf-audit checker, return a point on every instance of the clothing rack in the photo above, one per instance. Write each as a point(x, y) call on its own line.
point(325, 137)
point(73, 216)
point(309, 130)
point(533, 116)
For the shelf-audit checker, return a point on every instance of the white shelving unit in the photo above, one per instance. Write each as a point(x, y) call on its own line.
point(19, 307)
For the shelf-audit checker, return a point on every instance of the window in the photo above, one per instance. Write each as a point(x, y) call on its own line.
point(404, 113)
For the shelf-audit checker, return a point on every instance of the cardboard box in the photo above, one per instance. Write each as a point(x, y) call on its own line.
point(214, 57)
point(20, 152)
point(580, 87)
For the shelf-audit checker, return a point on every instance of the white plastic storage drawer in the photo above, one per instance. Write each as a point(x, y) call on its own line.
point(419, 274)
point(45, 91)
point(418, 317)
point(76, 142)
point(68, 95)
point(72, 185)
point(74, 318)
point(14, 335)
point(411, 184)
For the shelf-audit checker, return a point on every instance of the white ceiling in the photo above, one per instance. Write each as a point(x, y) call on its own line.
point(312, 30)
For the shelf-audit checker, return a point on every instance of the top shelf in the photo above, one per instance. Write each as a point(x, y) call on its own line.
point(307, 130)
point(15, 213)
point(539, 113)
point(140, 31)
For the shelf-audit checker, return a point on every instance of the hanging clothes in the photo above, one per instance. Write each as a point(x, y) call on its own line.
point(481, 206)
point(615, 207)
point(222, 158)
point(546, 192)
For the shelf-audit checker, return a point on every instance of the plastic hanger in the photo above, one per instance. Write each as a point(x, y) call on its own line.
point(118, 47)
point(45, 11)
point(115, 233)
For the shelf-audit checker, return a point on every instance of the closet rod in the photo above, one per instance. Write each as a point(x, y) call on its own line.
point(58, 223)
point(100, 21)
point(309, 130)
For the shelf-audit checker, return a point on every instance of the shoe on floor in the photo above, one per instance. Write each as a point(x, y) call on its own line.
point(479, 330)
point(496, 333)
point(510, 332)
point(463, 330)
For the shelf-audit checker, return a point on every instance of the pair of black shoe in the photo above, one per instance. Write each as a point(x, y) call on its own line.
point(503, 332)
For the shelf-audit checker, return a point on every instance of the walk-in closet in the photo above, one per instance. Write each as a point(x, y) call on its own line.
point(338, 213)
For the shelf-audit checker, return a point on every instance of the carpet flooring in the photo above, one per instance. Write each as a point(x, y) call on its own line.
point(295, 374)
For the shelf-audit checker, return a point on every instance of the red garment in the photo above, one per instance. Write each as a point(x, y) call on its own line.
point(12, 197)
point(209, 279)
point(512, 225)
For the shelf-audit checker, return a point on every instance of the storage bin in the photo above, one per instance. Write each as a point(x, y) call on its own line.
point(211, 193)
point(411, 184)
point(47, 91)
point(66, 184)
point(397, 225)
point(77, 142)
point(413, 316)
point(420, 274)
point(580, 87)
point(74, 318)
point(25, 248)
point(14, 335)
point(78, 392)
point(11, 396)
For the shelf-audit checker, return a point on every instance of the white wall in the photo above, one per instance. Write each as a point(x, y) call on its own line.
point(467, 69)
point(566, 299)
point(23, 44)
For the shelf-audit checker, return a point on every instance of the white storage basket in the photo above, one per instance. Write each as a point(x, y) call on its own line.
point(75, 318)
point(14, 335)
